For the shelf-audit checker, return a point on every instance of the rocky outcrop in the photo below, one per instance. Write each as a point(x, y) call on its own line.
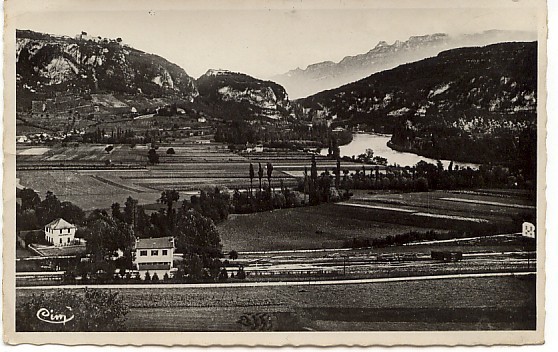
point(244, 96)
point(48, 64)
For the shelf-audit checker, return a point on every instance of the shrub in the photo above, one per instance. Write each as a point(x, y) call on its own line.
point(155, 277)
point(241, 274)
point(233, 255)
point(223, 275)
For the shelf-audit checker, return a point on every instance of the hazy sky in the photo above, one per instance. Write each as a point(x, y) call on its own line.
point(265, 42)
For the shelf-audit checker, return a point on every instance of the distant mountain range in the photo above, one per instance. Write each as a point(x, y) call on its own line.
point(467, 104)
point(473, 104)
point(326, 75)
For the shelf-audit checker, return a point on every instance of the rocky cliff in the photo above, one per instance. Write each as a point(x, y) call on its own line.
point(236, 95)
point(82, 65)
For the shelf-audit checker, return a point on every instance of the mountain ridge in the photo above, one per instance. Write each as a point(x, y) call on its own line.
point(480, 96)
point(107, 76)
point(328, 74)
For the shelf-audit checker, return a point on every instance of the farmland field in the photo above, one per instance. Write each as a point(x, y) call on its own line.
point(490, 303)
point(80, 173)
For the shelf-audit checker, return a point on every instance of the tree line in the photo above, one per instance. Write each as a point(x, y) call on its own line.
point(295, 136)
point(425, 176)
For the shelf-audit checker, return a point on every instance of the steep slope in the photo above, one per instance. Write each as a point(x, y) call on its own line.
point(326, 75)
point(49, 65)
point(239, 96)
point(470, 104)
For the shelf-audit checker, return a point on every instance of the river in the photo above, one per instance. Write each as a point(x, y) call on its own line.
point(378, 143)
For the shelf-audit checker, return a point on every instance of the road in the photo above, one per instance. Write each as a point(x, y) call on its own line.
point(283, 283)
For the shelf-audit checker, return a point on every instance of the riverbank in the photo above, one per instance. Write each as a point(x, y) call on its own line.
point(381, 145)
point(418, 152)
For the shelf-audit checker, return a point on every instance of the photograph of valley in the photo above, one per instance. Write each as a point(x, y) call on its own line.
point(276, 168)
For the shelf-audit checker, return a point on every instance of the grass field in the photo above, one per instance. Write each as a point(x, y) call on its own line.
point(328, 225)
point(494, 303)
point(323, 226)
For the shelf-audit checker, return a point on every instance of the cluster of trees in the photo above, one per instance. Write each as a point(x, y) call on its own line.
point(34, 213)
point(85, 311)
point(320, 189)
point(167, 110)
point(367, 157)
point(266, 199)
point(214, 203)
point(106, 236)
point(325, 187)
point(120, 136)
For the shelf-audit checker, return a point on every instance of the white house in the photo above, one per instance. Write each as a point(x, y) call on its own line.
point(22, 139)
point(154, 255)
point(528, 230)
point(60, 233)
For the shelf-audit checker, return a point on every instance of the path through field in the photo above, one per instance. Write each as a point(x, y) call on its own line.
point(282, 283)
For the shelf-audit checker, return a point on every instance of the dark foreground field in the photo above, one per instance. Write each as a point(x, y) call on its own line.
point(487, 303)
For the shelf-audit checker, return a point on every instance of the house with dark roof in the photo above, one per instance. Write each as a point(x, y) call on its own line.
point(60, 233)
point(154, 255)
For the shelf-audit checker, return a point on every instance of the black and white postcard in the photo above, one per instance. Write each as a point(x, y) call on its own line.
point(274, 173)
